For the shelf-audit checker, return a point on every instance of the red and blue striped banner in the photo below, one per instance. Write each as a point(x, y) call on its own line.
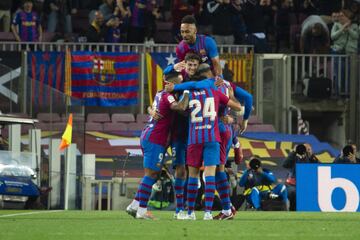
point(105, 79)
point(46, 69)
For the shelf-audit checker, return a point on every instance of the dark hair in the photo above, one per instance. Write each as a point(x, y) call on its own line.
point(171, 76)
point(300, 149)
point(192, 56)
point(255, 163)
point(188, 19)
point(203, 68)
point(347, 150)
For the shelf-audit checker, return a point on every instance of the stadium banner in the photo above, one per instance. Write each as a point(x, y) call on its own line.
point(328, 187)
point(10, 70)
point(45, 69)
point(105, 79)
point(238, 68)
point(155, 64)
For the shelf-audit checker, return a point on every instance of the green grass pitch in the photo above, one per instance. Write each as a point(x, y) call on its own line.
point(77, 225)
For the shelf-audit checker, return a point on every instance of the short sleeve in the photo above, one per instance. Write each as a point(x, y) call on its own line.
point(211, 47)
point(170, 99)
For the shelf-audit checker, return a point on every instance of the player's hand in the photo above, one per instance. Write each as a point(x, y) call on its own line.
point(243, 126)
point(179, 66)
point(218, 81)
point(156, 115)
point(227, 119)
point(169, 86)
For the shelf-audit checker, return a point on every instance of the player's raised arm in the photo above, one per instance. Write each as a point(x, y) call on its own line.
point(181, 105)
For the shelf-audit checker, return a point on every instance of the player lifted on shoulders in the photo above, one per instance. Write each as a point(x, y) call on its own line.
point(154, 141)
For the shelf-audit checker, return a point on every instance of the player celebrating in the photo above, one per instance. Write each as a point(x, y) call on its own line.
point(153, 143)
point(203, 45)
point(222, 183)
point(203, 144)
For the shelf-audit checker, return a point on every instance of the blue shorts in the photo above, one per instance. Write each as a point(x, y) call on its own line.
point(153, 155)
point(208, 152)
point(178, 150)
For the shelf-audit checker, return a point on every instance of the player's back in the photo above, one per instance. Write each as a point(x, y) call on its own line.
point(203, 120)
point(157, 131)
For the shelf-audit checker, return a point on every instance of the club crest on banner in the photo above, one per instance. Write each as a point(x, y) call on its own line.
point(104, 71)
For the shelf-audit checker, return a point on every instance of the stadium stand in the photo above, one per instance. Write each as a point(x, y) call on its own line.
point(98, 118)
point(142, 118)
point(122, 117)
point(48, 117)
point(94, 126)
point(115, 126)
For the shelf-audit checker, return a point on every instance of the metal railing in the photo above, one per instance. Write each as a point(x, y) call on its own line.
point(334, 67)
point(111, 47)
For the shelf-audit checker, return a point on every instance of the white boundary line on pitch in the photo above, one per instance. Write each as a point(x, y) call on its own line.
point(29, 213)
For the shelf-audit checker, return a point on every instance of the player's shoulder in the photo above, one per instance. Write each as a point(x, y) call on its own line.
point(181, 45)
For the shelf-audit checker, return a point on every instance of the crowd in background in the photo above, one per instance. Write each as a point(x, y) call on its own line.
point(310, 26)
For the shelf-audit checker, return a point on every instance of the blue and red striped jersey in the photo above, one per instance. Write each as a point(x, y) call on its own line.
point(28, 24)
point(203, 119)
point(205, 46)
point(138, 13)
point(157, 131)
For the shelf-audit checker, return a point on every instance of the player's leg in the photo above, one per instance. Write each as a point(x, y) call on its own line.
point(193, 160)
point(222, 183)
point(179, 152)
point(153, 160)
point(211, 159)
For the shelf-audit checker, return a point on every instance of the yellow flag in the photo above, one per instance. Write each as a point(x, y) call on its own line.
point(66, 137)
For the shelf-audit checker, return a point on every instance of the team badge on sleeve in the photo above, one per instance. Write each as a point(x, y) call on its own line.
point(171, 99)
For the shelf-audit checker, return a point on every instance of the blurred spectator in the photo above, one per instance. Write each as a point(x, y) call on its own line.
point(203, 17)
point(239, 28)
point(253, 11)
point(136, 32)
point(5, 15)
point(96, 31)
point(221, 18)
point(60, 14)
point(113, 34)
point(348, 155)
point(282, 24)
point(108, 9)
point(315, 37)
point(309, 7)
point(345, 34)
point(327, 7)
point(302, 154)
point(258, 185)
point(152, 14)
point(26, 24)
point(180, 9)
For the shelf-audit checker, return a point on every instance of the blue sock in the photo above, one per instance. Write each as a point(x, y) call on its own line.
point(179, 194)
point(223, 188)
point(144, 191)
point(192, 190)
point(209, 192)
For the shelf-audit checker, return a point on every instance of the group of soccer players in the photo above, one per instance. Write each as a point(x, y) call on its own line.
point(193, 117)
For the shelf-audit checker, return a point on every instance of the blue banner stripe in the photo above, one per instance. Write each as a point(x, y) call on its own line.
point(115, 54)
point(119, 77)
point(105, 89)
